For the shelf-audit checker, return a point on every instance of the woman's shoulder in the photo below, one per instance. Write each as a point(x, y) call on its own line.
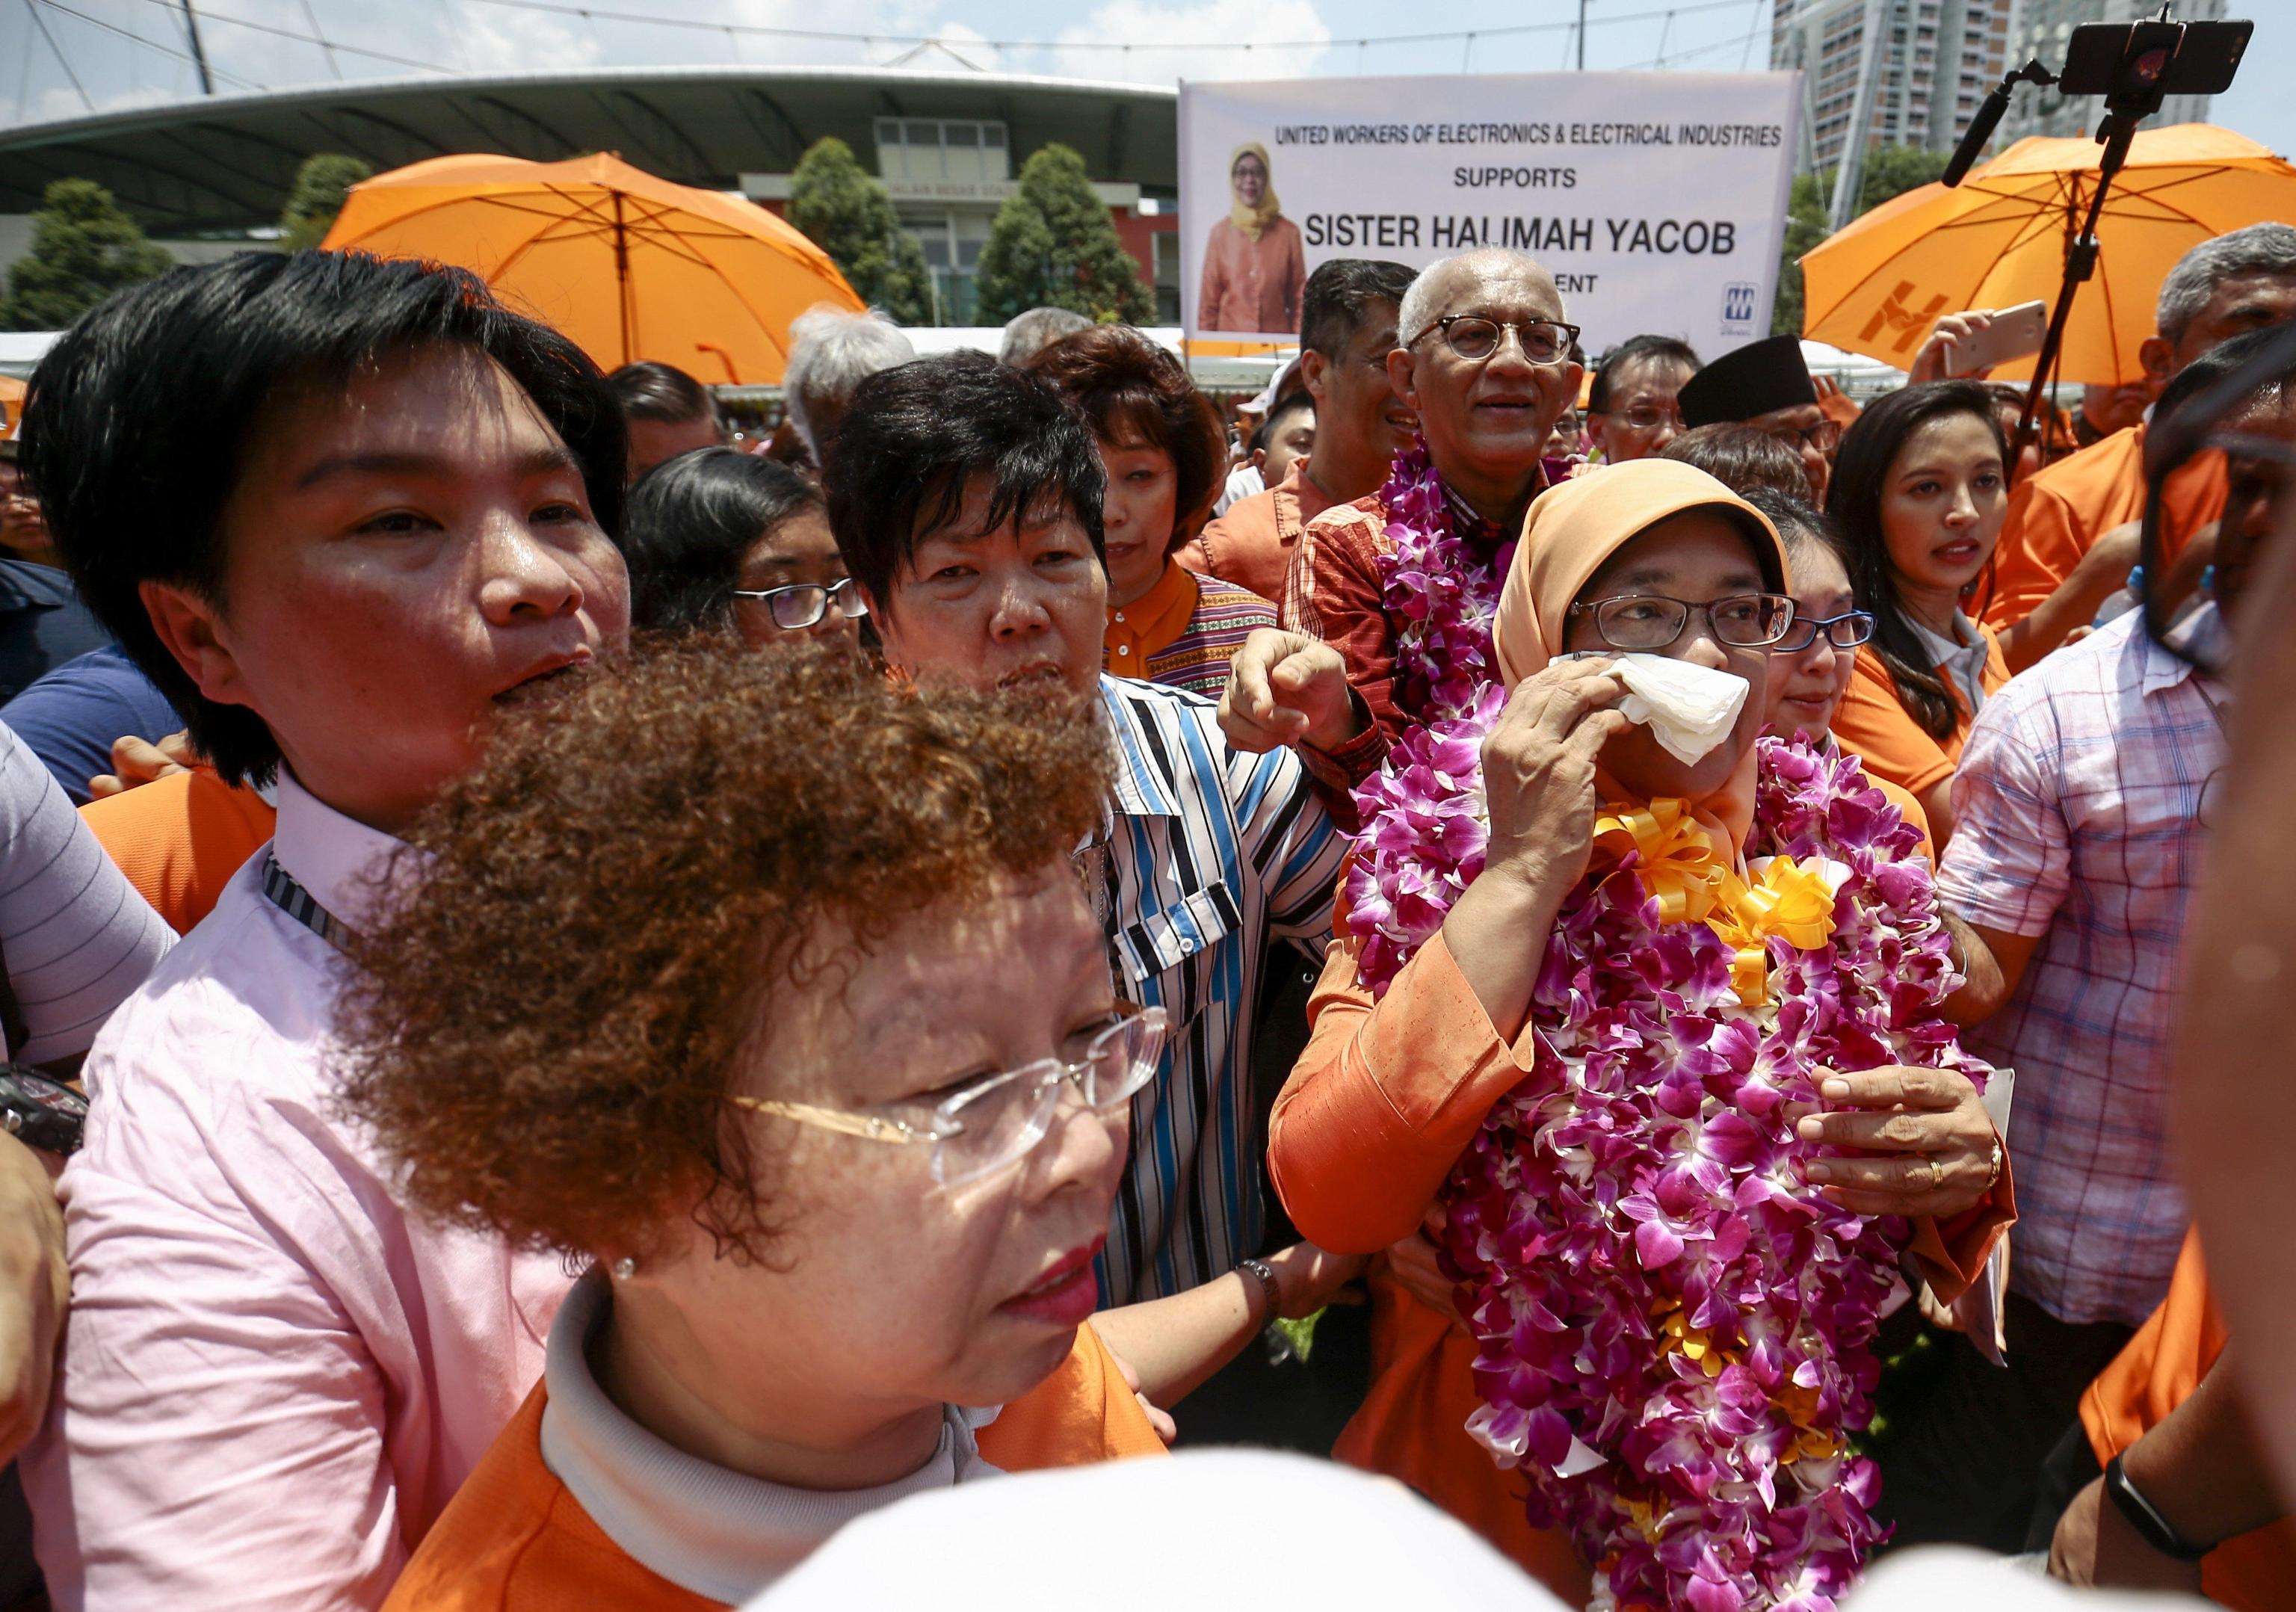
point(1228, 604)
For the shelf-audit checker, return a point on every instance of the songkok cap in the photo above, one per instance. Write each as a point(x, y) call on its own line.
point(1757, 378)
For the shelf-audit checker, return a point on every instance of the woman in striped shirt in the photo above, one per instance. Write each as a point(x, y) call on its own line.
point(1161, 445)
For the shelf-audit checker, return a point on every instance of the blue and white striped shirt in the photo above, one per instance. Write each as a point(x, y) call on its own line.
point(1213, 857)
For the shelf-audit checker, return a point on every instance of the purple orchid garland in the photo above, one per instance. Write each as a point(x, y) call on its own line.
point(1675, 1331)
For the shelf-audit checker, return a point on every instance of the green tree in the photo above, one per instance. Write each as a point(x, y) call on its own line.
point(1053, 246)
point(1805, 227)
point(1892, 170)
point(84, 248)
point(321, 185)
point(846, 212)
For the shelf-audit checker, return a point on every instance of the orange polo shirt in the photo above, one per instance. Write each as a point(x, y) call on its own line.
point(180, 839)
point(1378, 1109)
point(2151, 1376)
point(1893, 746)
point(1150, 623)
point(1252, 544)
point(2056, 514)
point(515, 1540)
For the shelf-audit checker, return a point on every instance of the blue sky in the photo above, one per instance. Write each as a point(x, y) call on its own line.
point(124, 52)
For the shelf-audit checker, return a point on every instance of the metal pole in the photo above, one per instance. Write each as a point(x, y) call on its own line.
point(199, 52)
point(1582, 34)
point(622, 275)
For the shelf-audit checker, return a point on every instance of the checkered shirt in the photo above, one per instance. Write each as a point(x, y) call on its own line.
point(2080, 821)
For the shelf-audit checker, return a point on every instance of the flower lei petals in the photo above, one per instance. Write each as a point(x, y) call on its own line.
point(1674, 1332)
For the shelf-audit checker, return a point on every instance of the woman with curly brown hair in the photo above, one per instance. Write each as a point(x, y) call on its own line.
point(1165, 455)
point(760, 1053)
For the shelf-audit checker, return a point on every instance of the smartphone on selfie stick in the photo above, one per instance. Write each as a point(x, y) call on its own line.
point(2134, 66)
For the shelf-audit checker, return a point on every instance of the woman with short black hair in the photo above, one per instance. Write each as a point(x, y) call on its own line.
point(723, 541)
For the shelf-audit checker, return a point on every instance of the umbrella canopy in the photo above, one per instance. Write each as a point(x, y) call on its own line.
point(1877, 286)
point(628, 266)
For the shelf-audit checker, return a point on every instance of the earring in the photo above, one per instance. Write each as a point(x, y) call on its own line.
point(625, 1268)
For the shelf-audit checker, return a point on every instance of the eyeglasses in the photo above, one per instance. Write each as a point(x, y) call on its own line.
point(1477, 339)
point(803, 604)
point(1842, 632)
point(998, 1120)
point(1646, 419)
point(1825, 436)
point(1651, 621)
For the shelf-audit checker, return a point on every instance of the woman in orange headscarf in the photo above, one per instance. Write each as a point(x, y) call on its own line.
point(1654, 556)
point(1254, 265)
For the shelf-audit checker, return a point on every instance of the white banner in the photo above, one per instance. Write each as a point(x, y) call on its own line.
point(1657, 200)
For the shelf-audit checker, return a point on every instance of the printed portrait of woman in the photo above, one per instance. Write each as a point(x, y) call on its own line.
point(1254, 265)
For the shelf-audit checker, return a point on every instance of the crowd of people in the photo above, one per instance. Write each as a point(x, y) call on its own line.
point(595, 1016)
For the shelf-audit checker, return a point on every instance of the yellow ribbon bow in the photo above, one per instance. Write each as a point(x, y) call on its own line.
point(1678, 867)
point(1787, 898)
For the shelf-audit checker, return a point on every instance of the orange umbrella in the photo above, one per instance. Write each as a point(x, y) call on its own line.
point(1877, 286)
point(12, 403)
point(630, 266)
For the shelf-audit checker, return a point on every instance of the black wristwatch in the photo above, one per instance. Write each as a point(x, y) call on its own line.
point(2159, 1532)
point(40, 1112)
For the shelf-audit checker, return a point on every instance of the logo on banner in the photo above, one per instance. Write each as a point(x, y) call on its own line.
point(1738, 300)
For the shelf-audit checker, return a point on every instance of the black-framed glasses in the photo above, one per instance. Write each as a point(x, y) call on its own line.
point(2259, 469)
point(1651, 621)
point(1646, 418)
point(1825, 436)
point(1842, 632)
point(803, 604)
point(1477, 339)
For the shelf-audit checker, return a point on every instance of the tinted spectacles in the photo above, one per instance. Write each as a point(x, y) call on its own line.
point(1651, 621)
point(993, 1122)
point(1842, 632)
point(1825, 436)
point(1477, 340)
point(1646, 419)
point(803, 604)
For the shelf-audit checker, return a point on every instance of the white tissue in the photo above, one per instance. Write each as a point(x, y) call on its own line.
point(1690, 708)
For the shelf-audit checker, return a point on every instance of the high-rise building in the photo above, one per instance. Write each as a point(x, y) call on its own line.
point(2043, 29)
point(1938, 58)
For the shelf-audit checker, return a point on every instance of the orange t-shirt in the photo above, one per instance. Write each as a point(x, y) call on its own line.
point(180, 839)
point(2151, 1376)
point(2056, 514)
point(1892, 744)
point(515, 1537)
point(1378, 1109)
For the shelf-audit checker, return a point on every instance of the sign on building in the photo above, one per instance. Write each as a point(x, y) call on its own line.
point(1657, 200)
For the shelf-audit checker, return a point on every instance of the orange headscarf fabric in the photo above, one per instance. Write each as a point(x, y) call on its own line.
point(1571, 532)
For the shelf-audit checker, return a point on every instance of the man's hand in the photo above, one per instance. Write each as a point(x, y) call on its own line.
point(136, 762)
point(1936, 354)
point(1287, 688)
point(34, 1287)
point(1926, 1144)
point(2095, 1548)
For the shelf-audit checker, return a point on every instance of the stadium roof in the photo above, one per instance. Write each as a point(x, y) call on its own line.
point(224, 163)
